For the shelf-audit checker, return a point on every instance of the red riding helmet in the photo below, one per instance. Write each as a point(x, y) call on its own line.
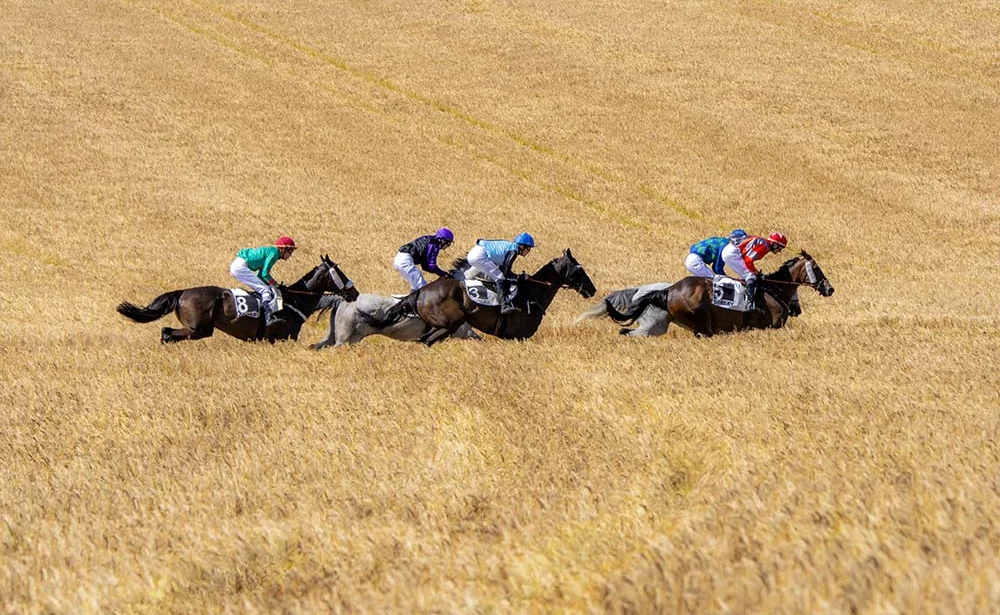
point(778, 238)
point(285, 242)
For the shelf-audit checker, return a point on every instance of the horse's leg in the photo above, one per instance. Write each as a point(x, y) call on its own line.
point(435, 335)
point(196, 320)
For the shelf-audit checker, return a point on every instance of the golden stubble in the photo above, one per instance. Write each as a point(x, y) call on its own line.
point(846, 463)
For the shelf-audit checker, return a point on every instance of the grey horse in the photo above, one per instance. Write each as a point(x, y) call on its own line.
point(348, 328)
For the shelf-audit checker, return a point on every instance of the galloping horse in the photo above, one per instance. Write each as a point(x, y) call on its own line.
point(203, 309)
point(445, 305)
point(347, 327)
point(688, 302)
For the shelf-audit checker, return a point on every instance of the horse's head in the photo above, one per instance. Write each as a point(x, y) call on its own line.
point(806, 271)
point(328, 277)
point(572, 274)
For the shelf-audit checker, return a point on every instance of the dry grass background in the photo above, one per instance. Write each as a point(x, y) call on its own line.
point(848, 463)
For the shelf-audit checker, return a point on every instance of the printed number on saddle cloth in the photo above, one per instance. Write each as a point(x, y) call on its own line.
point(729, 294)
point(482, 294)
point(247, 305)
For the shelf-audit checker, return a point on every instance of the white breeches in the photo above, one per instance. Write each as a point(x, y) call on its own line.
point(697, 266)
point(732, 256)
point(408, 269)
point(245, 275)
point(480, 260)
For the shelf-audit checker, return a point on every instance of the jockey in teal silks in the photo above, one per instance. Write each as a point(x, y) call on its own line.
point(252, 267)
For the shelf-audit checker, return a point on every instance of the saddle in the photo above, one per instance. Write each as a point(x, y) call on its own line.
point(730, 294)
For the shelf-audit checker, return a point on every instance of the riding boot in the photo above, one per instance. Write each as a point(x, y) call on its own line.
point(752, 293)
point(506, 303)
point(268, 302)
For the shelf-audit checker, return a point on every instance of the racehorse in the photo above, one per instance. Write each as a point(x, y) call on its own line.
point(445, 305)
point(688, 302)
point(203, 309)
point(347, 327)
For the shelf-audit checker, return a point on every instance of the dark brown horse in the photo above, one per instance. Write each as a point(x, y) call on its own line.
point(688, 302)
point(203, 309)
point(444, 304)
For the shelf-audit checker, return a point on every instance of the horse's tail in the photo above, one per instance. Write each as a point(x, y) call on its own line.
point(386, 318)
point(328, 303)
point(620, 299)
point(634, 310)
point(160, 307)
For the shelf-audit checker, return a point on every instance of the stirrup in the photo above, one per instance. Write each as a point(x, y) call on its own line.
point(272, 318)
point(507, 308)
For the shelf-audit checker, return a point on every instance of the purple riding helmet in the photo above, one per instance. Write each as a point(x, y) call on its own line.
point(445, 234)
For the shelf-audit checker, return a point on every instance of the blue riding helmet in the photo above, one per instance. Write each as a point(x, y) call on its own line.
point(737, 236)
point(525, 239)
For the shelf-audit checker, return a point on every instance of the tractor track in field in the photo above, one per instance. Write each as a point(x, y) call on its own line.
point(582, 182)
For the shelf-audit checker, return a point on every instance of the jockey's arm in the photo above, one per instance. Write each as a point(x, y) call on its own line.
point(508, 263)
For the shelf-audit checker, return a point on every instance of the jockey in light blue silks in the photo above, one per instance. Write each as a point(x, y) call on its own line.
point(495, 257)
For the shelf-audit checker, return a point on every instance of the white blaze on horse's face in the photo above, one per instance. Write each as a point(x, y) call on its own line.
point(810, 273)
point(338, 279)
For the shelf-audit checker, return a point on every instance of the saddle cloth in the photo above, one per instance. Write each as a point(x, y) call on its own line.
point(485, 293)
point(729, 294)
point(248, 304)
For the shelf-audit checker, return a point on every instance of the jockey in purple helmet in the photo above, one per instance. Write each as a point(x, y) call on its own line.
point(422, 251)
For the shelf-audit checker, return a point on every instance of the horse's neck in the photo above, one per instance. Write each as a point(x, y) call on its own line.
point(301, 296)
point(787, 289)
point(545, 293)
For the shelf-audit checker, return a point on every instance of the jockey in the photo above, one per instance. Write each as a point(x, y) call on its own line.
point(709, 252)
point(422, 251)
point(495, 257)
point(741, 257)
point(252, 267)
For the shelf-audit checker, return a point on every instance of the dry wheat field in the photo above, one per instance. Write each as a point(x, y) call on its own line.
point(848, 463)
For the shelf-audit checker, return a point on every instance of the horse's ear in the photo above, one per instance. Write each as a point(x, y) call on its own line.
point(805, 255)
point(568, 253)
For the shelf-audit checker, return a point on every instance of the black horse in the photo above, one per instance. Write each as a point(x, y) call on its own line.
point(203, 309)
point(445, 305)
point(688, 302)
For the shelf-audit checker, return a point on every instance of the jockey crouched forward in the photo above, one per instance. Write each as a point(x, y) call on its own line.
point(252, 267)
point(423, 252)
point(741, 258)
point(705, 258)
point(495, 257)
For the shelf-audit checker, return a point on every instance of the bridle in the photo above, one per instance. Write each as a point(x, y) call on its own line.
point(813, 282)
point(577, 267)
point(336, 276)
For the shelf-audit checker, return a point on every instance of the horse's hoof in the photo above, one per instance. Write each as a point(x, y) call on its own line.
point(624, 331)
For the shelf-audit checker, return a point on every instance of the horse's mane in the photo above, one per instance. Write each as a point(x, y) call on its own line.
point(459, 265)
point(787, 265)
point(300, 284)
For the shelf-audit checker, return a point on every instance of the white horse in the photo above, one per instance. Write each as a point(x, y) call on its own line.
point(654, 321)
point(347, 327)
point(651, 323)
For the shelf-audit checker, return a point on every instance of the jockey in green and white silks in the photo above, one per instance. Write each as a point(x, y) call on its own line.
point(252, 267)
point(495, 257)
point(705, 258)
